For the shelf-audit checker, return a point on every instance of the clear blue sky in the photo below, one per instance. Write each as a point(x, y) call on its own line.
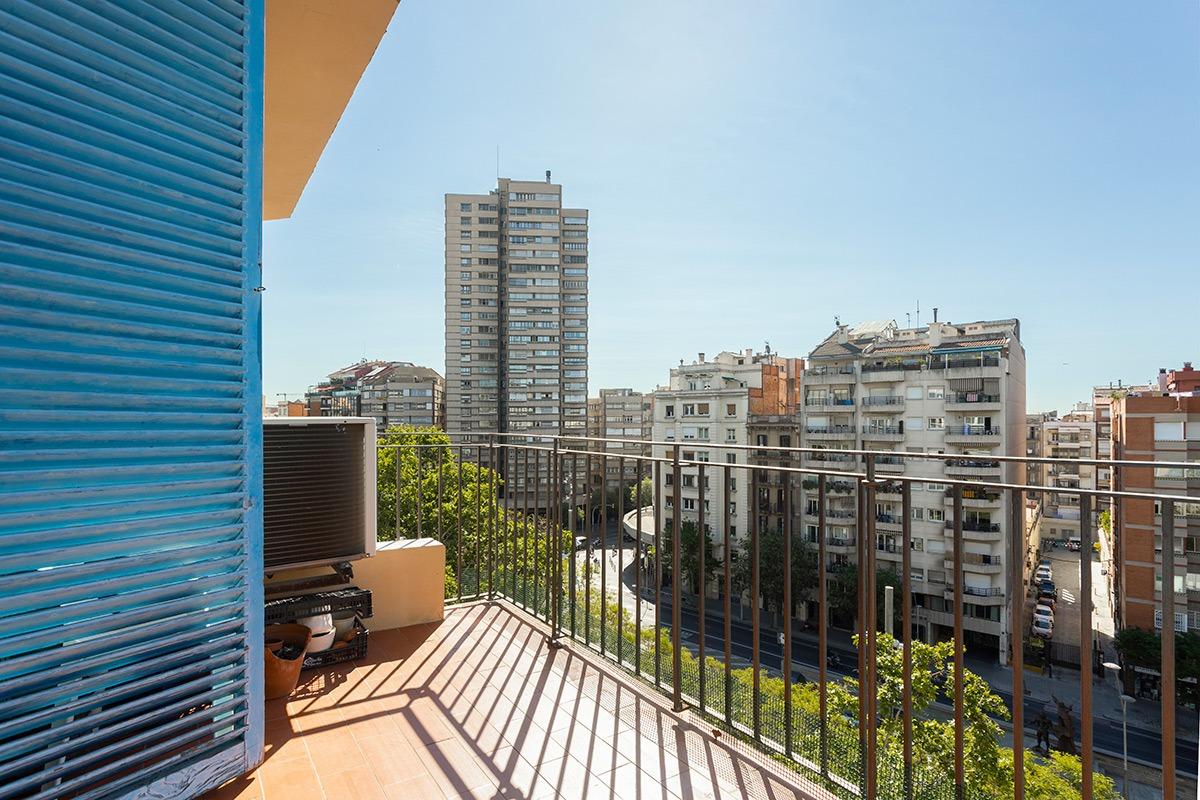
point(753, 169)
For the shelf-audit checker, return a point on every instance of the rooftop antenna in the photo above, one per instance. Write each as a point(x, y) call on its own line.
point(767, 347)
point(918, 313)
point(908, 319)
point(497, 165)
point(837, 321)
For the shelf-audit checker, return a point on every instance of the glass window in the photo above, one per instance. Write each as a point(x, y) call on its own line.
point(936, 392)
point(913, 392)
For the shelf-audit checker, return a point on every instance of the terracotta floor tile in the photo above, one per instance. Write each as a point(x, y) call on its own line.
point(454, 768)
point(480, 707)
point(422, 787)
point(243, 788)
point(290, 780)
point(283, 741)
point(358, 783)
point(393, 759)
point(333, 750)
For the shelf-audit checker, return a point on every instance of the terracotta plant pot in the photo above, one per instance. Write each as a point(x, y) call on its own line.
point(282, 674)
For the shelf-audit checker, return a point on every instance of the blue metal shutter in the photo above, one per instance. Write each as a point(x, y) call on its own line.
point(130, 396)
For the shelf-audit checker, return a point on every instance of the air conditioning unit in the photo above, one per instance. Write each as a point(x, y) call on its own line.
point(318, 491)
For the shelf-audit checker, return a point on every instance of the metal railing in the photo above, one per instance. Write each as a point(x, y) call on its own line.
point(522, 525)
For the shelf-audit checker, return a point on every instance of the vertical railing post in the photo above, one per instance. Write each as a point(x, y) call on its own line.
point(637, 570)
point(728, 591)
point(603, 547)
point(959, 733)
point(399, 451)
point(554, 544)
point(822, 623)
point(574, 560)
point(659, 524)
point(1016, 591)
point(1085, 645)
point(872, 628)
point(480, 527)
point(492, 504)
point(588, 527)
point(458, 536)
point(906, 633)
point(786, 664)
point(420, 498)
point(1168, 647)
point(676, 595)
point(620, 547)
point(861, 623)
point(755, 619)
point(701, 582)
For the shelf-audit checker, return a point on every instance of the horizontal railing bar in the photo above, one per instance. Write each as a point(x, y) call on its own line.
point(879, 480)
point(1101, 462)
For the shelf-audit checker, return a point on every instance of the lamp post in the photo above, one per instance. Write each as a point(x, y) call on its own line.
point(1125, 701)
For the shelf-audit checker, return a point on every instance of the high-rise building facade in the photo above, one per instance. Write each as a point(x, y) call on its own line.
point(1158, 424)
point(1071, 437)
point(516, 312)
point(953, 389)
point(626, 416)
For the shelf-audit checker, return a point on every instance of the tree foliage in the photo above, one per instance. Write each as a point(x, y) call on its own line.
point(482, 541)
point(641, 494)
point(689, 554)
point(771, 567)
point(843, 593)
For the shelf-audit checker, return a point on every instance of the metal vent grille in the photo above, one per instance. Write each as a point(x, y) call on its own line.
point(313, 494)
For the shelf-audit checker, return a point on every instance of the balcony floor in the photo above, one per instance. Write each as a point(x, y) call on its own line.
point(479, 707)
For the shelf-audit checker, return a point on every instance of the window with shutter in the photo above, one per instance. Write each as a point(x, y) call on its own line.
point(130, 399)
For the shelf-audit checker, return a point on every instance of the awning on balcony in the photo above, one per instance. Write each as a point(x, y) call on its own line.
point(316, 52)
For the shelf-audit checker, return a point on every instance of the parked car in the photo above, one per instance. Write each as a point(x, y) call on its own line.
point(1047, 587)
point(1045, 562)
point(1044, 574)
point(1047, 599)
point(1042, 628)
point(1043, 611)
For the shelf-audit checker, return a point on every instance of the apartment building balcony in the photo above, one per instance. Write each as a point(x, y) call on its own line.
point(978, 595)
point(977, 563)
point(975, 526)
point(882, 434)
point(841, 544)
point(973, 468)
point(883, 404)
point(829, 432)
point(985, 366)
point(882, 373)
point(974, 498)
point(889, 463)
point(832, 458)
point(946, 619)
point(972, 435)
point(888, 522)
point(972, 401)
point(837, 516)
point(829, 402)
point(830, 374)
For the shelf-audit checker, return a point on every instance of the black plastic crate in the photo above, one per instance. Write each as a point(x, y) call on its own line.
point(287, 609)
point(354, 650)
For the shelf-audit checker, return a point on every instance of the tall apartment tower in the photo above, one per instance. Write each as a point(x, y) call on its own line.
point(516, 311)
point(1071, 437)
point(953, 389)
